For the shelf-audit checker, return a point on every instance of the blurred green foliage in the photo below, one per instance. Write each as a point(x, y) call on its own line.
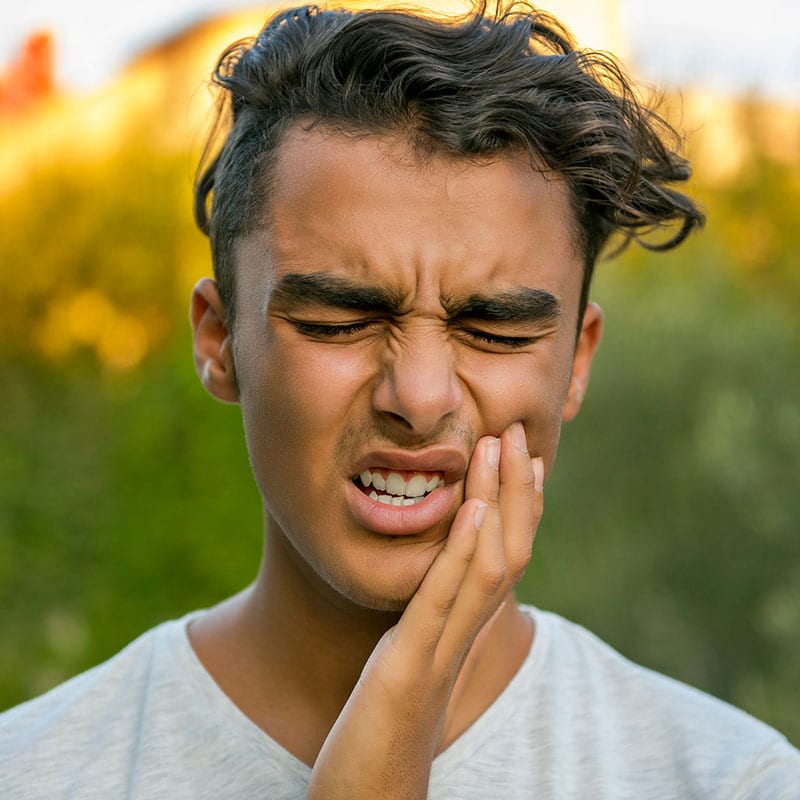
point(126, 496)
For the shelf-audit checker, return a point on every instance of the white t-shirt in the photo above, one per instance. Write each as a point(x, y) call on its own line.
point(577, 721)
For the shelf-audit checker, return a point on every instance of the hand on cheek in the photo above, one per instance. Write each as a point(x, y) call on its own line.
point(385, 739)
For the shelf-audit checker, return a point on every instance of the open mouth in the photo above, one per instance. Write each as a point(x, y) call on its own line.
point(393, 488)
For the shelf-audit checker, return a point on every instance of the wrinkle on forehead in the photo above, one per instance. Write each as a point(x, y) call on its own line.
point(428, 226)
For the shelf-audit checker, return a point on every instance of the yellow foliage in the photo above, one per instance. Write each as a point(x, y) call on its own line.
point(98, 247)
point(89, 319)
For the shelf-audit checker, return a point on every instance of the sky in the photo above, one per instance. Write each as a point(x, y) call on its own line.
point(728, 45)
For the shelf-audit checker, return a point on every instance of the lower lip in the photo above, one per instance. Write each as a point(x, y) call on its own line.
point(401, 520)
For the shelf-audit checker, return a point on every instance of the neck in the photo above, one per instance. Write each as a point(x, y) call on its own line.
point(289, 651)
point(325, 639)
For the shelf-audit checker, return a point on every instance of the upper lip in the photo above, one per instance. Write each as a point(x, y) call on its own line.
point(450, 461)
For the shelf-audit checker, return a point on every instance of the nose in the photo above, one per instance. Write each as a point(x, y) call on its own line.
point(419, 388)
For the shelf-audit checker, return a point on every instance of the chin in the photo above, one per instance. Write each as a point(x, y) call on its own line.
point(391, 585)
point(388, 599)
point(385, 605)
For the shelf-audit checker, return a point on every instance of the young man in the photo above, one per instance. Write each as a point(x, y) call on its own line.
point(404, 222)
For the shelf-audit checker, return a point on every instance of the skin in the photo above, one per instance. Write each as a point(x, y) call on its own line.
point(390, 646)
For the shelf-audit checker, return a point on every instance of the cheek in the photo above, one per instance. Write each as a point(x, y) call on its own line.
point(296, 399)
point(524, 388)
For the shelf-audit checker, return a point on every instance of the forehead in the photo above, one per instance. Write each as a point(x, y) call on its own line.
point(375, 209)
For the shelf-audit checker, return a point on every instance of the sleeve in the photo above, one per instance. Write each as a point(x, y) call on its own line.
point(774, 775)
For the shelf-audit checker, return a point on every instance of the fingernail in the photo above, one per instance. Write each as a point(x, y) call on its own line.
point(518, 437)
point(493, 453)
point(480, 515)
point(538, 473)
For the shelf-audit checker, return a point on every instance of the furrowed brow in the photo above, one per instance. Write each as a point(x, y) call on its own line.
point(334, 291)
point(519, 305)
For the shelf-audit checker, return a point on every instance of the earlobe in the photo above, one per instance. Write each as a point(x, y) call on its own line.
point(213, 357)
point(588, 339)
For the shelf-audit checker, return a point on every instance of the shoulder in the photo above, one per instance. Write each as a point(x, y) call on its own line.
point(95, 712)
point(651, 724)
point(93, 687)
point(589, 667)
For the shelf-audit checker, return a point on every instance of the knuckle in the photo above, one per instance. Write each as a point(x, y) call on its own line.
point(492, 500)
point(440, 603)
point(519, 559)
point(460, 556)
point(493, 578)
point(443, 604)
point(528, 481)
point(518, 570)
point(465, 559)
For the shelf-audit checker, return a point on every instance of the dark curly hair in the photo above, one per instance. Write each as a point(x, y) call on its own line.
point(481, 84)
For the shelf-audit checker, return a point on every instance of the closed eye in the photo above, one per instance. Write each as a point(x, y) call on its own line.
point(512, 342)
point(322, 330)
point(326, 331)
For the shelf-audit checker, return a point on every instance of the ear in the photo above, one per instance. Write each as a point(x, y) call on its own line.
point(213, 357)
point(588, 339)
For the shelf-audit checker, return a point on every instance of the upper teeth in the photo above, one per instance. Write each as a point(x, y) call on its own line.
point(395, 484)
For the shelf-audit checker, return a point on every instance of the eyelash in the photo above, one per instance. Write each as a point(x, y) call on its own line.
point(331, 331)
point(504, 341)
point(334, 331)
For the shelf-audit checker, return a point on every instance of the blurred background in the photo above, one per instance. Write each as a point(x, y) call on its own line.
point(671, 527)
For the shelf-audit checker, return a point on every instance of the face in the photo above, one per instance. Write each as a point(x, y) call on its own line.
point(392, 310)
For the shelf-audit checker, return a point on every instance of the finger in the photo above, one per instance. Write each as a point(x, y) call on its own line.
point(470, 578)
point(483, 474)
point(421, 625)
point(487, 571)
point(519, 501)
point(483, 586)
point(471, 659)
point(514, 506)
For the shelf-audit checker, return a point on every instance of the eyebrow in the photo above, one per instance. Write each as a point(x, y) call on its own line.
point(324, 289)
point(520, 305)
point(523, 305)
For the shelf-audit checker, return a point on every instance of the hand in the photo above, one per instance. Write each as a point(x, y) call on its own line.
point(384, 741)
